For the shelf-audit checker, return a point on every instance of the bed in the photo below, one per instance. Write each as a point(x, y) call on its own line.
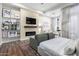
point(57, 47)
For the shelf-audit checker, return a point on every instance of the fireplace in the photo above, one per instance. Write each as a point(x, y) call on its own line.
point(30, 33)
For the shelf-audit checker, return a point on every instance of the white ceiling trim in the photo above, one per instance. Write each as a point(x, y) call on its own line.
point(24, 7)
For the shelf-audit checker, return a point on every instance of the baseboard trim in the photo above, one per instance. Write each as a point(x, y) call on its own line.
point(8, 41)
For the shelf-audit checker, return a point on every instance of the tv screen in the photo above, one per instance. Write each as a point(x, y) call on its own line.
point(30, 20)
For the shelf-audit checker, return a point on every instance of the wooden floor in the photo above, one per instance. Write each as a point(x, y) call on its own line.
point(17, 48)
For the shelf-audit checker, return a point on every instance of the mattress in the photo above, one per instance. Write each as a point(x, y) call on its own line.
point(54, 47)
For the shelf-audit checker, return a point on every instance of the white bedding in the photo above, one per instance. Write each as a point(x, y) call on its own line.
point(54, 47)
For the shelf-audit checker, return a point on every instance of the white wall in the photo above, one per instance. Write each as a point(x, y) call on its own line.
point(45, 23)
point(74, 22)
point(71, 22)
point(54, 24)
point(41, 20)
point(0, 23)
point(57, 14)
point(24, 14)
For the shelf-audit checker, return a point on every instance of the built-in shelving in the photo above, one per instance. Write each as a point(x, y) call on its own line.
point(10, 23)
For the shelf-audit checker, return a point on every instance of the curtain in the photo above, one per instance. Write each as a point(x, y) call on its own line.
point(70, 22)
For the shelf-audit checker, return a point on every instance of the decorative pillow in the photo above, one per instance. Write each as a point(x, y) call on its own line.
point(70, 48)
point(51, 35)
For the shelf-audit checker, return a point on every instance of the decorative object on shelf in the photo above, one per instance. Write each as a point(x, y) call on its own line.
point(12, 14)
point(15, 14)
point(6, 27)
point(58, 29)
point(12, 34)
point(6, 12)
point(13, 21)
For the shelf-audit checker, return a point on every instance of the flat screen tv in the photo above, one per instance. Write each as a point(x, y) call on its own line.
point(30, 20)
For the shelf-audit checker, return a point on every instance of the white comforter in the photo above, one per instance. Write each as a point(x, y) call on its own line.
point(55, 46)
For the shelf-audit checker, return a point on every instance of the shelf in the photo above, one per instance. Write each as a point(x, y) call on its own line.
point(11, 37)
point(9, 30)
point(30, 26)
point(10, 23)
point(11, 18)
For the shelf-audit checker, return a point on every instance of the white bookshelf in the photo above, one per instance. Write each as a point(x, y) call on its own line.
point(10, 23)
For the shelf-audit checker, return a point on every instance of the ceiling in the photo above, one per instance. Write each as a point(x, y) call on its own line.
point(48, 9)
point(43, 7)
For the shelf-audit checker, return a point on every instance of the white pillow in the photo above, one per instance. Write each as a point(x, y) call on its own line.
point(77, 47)
point(70, 48)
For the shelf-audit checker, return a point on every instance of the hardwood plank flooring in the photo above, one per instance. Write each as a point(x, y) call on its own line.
point(17, 48)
